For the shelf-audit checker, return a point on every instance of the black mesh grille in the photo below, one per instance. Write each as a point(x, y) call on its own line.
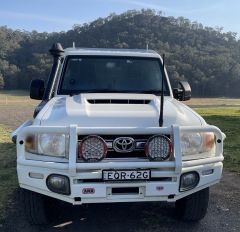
point(133, 154)
point(138, 152)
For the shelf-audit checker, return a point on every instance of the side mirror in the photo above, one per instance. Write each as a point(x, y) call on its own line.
point(37, 89)
point(183, 92)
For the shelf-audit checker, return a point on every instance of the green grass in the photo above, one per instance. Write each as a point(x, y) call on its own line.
point(8, 177)
point(213, 102)
point(14, 93)
point(228, 120)
point(15, 98)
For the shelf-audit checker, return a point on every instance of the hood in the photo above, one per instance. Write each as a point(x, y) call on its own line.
point(115, 110)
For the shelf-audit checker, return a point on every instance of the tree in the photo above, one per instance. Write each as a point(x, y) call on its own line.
point(206, 57)
point(1, 81)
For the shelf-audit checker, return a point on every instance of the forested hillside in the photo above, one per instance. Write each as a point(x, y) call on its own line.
point(208, 58)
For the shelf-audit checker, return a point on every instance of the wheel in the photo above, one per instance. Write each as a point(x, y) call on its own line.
point(39, 209)
point(193, 207)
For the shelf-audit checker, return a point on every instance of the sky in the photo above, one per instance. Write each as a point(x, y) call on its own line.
point(61, 15)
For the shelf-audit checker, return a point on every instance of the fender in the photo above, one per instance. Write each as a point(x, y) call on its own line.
point(14, 133)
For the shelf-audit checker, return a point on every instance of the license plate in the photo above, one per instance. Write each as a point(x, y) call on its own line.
point(126, 174)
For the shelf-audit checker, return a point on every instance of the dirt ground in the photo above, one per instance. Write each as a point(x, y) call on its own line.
point(223, 215)
point(13, 116)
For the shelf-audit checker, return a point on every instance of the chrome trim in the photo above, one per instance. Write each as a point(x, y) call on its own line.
point(124, 144)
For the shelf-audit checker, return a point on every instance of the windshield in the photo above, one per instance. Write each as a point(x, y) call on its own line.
point(101, 74)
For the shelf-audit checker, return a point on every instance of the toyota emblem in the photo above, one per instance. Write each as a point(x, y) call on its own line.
point(124, 144)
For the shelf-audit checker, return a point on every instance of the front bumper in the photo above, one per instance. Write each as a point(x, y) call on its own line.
point(163, 187)
point(166, 189)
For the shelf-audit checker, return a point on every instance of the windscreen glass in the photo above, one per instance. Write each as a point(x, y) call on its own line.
point(112, 74)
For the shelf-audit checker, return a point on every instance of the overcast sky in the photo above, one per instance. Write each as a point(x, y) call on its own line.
point(61, 15)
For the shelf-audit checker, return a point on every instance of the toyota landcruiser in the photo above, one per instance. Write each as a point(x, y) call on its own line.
point(109, 129)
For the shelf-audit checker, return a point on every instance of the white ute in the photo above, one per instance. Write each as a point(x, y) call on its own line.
point(110, 129)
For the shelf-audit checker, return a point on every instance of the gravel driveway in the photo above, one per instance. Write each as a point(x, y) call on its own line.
point(223, 215)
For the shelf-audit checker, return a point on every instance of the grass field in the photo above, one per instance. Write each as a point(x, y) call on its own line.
point(228, 120)
point(8, 177)
point(16, 107)
point(213, 102)
point(15, 98)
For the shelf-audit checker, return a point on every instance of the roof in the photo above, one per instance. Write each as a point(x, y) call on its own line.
point(111, 52)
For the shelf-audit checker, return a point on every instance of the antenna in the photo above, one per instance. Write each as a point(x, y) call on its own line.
point(162, 92)
point(73, 44)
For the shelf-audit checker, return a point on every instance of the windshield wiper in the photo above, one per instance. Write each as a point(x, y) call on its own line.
point(101, 91)
point(153, 91)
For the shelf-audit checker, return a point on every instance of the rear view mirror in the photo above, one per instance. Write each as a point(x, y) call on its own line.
point(183, 92)
point(37, 89)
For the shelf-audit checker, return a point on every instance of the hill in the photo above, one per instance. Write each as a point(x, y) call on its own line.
point(208, 58)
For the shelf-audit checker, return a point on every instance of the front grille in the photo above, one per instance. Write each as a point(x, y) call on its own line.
point(138, 152)
point(133, 154)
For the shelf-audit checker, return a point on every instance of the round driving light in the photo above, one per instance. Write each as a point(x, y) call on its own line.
point(158, 148)
point(92, 148)
point(188, 181)
point(58, 184)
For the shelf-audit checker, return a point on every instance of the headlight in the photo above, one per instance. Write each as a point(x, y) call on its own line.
point(92, 148)
point(48, 144)
point(158, 148)
point(197, 145)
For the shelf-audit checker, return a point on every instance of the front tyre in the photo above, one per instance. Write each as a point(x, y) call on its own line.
point(39, 209)
point(193, 207)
